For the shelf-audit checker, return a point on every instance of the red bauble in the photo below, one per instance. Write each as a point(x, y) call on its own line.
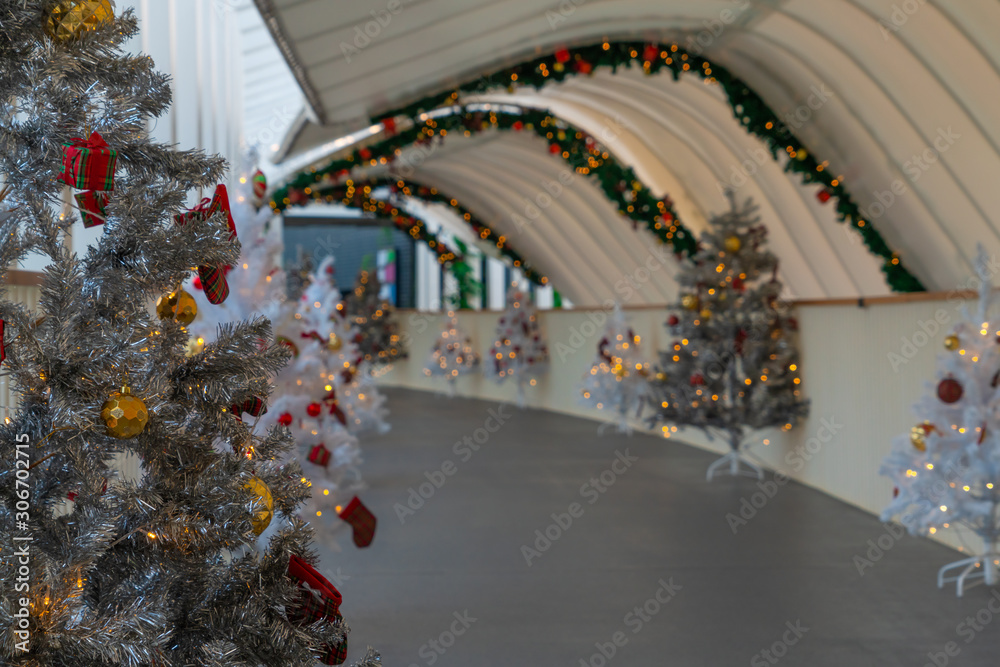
point(823, 196)
point(365, 154)
point(697, 379)
point(583, 67)
point(554, 149)
point(196, 282)
point(389, 126)
point(949, 390)
point(518, 125)
point(285, 419)
point(738, 284)
point(314, 409)
point(650, 53)
point(673, 320)
point(562, 55)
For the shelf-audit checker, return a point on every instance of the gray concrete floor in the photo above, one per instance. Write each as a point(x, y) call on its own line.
point(792, 563)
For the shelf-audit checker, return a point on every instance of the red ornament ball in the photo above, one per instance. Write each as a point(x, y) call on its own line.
point(673, 320)
point(650, 53)
point(314, 409)
point(554, 149)
point(518, 125)
point(196, 282)
point(950, 390)
point(285, 419)
point(823, 196)
point(697, 379)
point(365, 154)
point(562, 55)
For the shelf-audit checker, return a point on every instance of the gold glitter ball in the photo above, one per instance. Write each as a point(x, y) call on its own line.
point(263, 504)
point(733, 244)
point(335, 343)
point(179, 306)
point(124, 414)
point(71, 18)
point(951, 342)
point(690, 301)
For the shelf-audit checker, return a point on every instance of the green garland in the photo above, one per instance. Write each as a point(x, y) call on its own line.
point(748, 107)
point(579, 149)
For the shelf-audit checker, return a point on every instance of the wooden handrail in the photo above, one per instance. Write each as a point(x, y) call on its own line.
point(19, 278)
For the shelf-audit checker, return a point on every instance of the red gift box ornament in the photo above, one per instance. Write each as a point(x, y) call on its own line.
point(319, 455)
point(89, 164)
point(213, 278)
point(92, 205)
point(318, 600)
point(362, 521)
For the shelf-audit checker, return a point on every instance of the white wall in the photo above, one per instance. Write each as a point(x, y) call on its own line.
point(846, 373)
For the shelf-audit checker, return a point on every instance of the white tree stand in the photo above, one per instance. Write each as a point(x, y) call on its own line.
point(976, 568)
point(734, 460)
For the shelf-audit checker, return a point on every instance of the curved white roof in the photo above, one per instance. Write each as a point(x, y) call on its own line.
point(899, 97)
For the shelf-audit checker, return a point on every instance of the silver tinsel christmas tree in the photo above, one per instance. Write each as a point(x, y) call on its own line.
point(732, 367)
point(159, 570)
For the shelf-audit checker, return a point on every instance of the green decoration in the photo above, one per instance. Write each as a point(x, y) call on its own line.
point(748, 107)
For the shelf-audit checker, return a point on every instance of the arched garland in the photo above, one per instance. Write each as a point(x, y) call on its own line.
point(748, 108)
point(357, 193)
point(579, 149)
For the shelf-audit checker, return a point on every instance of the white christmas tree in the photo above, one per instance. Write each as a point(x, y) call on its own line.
point(947, 469)
point(452, 355)
point(519, 352)
point(256, 281)
point(617, 379)
point(322, 317)
point(306, 401)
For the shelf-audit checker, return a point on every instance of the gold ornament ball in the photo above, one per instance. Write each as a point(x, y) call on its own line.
point(71, 18)
point(335, 343)
point(705, 313)
point(919, 433)
point(124, 414)
point(690, 301)
point(179, 306)
point(733, 244)
point(662, 377)
point(264, 503)
point(951, 342)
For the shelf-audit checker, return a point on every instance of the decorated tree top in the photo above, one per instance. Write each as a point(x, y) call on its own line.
point(162, 569)
point(732, 365)
point(947, 468)
point(256, 281)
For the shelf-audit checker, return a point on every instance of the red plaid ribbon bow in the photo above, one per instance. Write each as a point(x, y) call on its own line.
point(89, 164)
point(319, 600)
point(254, 405)
point(213, 278)
point(331, 400)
